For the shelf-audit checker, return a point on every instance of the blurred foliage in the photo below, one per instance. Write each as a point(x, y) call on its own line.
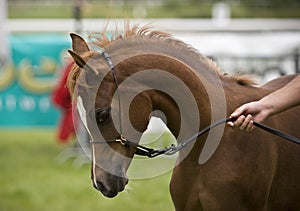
point(154, 8)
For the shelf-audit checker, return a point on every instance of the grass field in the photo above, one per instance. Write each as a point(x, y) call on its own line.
point(33, 179)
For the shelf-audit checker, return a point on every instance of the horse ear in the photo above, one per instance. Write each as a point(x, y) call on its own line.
point(78, 59)
point(78, 44)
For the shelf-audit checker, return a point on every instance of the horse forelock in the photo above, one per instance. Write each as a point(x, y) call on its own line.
point(72, 78)
point(74, 74)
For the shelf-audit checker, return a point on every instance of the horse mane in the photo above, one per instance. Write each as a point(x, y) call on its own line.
point(102, 39)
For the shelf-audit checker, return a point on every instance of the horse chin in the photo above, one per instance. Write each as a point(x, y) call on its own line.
point(112, 187)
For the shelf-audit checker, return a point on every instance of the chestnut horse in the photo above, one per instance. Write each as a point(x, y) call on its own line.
point(144, 70)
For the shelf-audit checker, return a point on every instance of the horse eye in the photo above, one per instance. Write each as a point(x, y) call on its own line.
point(102, 115)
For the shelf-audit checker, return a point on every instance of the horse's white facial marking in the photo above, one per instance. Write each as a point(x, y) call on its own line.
point(81, 111)
point(82, 115)
point(94, 166)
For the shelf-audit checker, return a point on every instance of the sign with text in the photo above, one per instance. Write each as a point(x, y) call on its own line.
point(26, 83)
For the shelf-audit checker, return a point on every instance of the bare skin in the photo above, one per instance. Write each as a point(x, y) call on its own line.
point(274, 103)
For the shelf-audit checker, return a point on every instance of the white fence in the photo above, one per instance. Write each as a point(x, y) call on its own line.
point(265, 47)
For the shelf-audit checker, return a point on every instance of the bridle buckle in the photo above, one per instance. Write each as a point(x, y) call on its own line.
point(122, 140)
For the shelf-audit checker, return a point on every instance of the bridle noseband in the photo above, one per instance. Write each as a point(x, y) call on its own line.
point(149, 152)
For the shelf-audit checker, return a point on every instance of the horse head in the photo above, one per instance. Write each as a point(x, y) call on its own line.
point(98, 100)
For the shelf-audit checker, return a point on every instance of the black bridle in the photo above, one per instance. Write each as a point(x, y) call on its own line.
point(149, 152)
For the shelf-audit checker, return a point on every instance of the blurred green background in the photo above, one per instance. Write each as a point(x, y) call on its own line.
point(153, 8)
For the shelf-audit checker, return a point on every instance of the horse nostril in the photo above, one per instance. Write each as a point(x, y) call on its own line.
point(108, 193)
point(122, 183)
point(99, 186)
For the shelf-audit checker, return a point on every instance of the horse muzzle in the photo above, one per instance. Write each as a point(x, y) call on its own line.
point(111, 185)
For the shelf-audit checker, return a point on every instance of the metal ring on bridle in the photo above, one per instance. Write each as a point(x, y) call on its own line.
point(122, 140)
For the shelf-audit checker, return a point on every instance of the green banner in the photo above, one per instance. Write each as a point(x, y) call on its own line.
point(27, 82)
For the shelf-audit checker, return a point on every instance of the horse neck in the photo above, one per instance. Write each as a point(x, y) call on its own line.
point(192, 71)
point(184, 100)
point(187, 124)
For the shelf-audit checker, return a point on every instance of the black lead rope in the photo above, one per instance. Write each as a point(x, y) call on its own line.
point(277, 133)
point(149, 152)
point(144, 151)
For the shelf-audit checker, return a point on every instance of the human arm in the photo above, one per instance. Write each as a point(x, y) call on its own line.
point(276, 102)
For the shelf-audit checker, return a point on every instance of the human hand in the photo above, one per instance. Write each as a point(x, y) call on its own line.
point(246, 114)
point(243, 122)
